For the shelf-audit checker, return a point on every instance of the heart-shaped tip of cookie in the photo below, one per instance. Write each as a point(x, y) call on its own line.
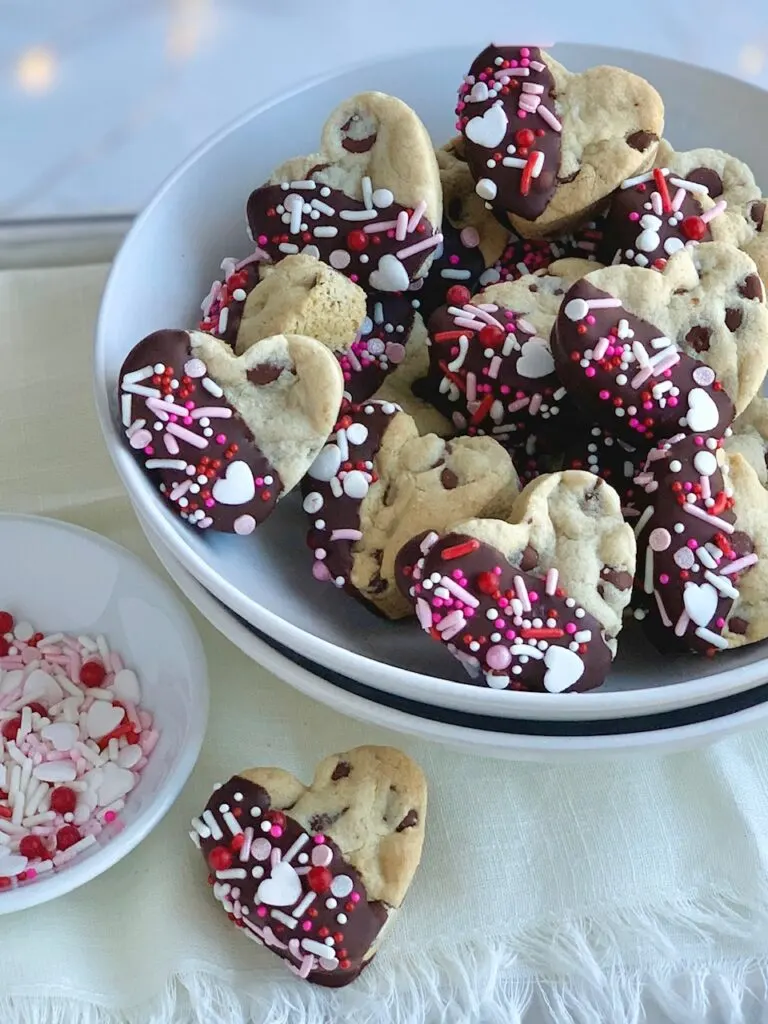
point(369, 203)
point(225, 437)
point(545, 146)
point(314, 873)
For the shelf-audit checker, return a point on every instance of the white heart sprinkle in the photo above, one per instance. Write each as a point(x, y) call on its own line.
point(10, 681)
point(236, 487)
point(282, 888)
point(55, 771)
point(564, 668)
point(478, 93)
point(327, 463)
point(116, 782)
point(125, 686)
point(535, 359)
point(12, 864)
point(390, 275)
point(63, 735)
point(648, 239)
point(700, 600)
point(40, 686)
point(129, 756)
point(101, 718)
point(489, 129)
point(702, 412)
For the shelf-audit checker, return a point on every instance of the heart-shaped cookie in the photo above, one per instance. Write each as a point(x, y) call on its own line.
point(226, 437)
point(502, 594)
point(315, 873)
point(377, 483)
point(491, 370)
point(647, 354)
point(544, 146)
point(702, 557)
point(369, 203)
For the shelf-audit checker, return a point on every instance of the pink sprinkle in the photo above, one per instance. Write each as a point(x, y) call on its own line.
point(355, 897)
point(634, 216)
point(687, 486)
point(720, 622)
point(503, 602)
point(30, 873)
point(647, 406)
point(109, 817)
point(499, 623)
point(261, 911)
point(590, 319)
point(453, 259)
point(533, 595)
point(698, 440)
point(590, 371)
point(319, 839)
point(307, 926)
point(220, 439)
point(275, 831)
point(209, 503)
point(456, 574)
point(663, 578)
point(570, 627)
point(672, 401)
point(693, 544)
point(524, 51)
point(605, 395)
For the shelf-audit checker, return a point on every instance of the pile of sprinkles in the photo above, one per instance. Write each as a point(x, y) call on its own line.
point(74, 740)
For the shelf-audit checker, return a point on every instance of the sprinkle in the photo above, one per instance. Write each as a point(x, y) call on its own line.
point(694, 510)
point(740, 563)
point(640, 524)
point(689, 186)
point(682, 624)
point(212, 824)
point(712, 638)
point(549, 118)
point(522, 593)
point(551, 581)
point(721, 584)
point(212, 387)
point(459, 550)
point(716, 210)
point(459, 591)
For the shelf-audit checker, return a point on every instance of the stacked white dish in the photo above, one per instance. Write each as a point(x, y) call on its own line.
point(375, 669)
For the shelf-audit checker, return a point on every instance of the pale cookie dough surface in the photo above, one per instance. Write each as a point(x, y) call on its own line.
point(292, 412)
point(301, 295)
point(751, 508)
point(371, 801)
point(571, 522)
point(750, 437)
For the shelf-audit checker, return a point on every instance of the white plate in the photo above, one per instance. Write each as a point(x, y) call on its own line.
point(166, 266)
point(541, 741)
point(62, 578)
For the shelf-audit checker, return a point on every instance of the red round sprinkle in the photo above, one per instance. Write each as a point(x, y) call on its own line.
point(344, 964)
point(357, 241)
point(10, 728)
point(67, 836)
point(220, 858)
point(319, 879)
point(63, 800)
point(524, 137)
point(238, 841)
point(38, 707)
point(486, 582)
point(92, 673)
point(277, 818)
point(4, 647)
point(694, 228)
point(323, 932)
point(492, 336)
point(32, 847)
point(6, 619)
point(458, 295)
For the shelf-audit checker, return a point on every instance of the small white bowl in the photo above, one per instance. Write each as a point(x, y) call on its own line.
point(64, 579)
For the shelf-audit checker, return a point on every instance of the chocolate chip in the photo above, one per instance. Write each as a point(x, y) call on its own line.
point(448, 479)
point(533, 287)
point(316, 169)
point(389, 495)
point(709, 178)
point(341, 771)
point(263, 373)
point(741, 543)
point(641, 140)
point(618, 577)
point(751, 287)
point(698, 338)
point(733, 318)
point(356, 145)
point(411, 819)
point(558, 291)
point(530, 559)
point(376, 585)
point(757, 213)
point(738, 625)
point(320, 822)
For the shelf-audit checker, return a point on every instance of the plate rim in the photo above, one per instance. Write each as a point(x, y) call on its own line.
point(321, 651)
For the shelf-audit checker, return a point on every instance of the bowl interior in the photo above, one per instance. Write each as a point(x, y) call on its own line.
point(172, 255)
point(63, 579)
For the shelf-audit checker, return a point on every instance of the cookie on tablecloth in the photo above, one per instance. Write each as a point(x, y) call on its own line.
point(547, 147)
point(377, 483)
point(225, 437)
point(649, 354)
point(534, 603)
point(369, 203)
point(315, 873)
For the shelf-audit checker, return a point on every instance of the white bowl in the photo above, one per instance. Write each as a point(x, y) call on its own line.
point(664, 733)
point(62, 578)
point(165, 267)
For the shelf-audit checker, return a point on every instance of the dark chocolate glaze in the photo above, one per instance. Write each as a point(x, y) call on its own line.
point(486, 644)
point(523, 256)
point(596, 450)
point(639, 232)
point(316, 867)
point(380, 347)
point(323, 488)
point(223, 481)
point(505, 381)
point(531, 197)
point(457, 264)
point(601, 387)
point(241, 283)
point(676, 549)
point(355, 250)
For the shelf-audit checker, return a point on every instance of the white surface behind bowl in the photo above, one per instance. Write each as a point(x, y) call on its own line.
point(61, 578)
point(167, 264)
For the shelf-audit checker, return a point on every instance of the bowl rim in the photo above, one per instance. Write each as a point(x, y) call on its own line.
point(386, 676)
point(79, 872)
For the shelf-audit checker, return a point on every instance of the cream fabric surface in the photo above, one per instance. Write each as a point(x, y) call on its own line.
point(578, 892)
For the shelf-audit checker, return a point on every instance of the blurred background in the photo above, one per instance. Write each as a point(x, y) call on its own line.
point(100, 99)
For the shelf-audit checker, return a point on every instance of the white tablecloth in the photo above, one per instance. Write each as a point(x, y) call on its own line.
point(576, 893)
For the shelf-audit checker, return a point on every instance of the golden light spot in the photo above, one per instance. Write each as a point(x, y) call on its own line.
point(752, 59)
point(36, 70)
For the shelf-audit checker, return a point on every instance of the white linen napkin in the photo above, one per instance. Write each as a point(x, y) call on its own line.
point(587, 890)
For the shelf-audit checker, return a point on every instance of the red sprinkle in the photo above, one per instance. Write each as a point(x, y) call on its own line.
point(541, 634)
point(492, 336)
point(63, 800)
point(357, 241)
point(459, 550)
point(483, 409)
point(10, 728)
point(220, 858)
point(487, 583)
point(32, 847)
point(458, 295)
point(448, 335)
point(661, 185)
point(92, 673)
point(319, 879)
point(67, 836)
point(6, 622)
point(694, 228)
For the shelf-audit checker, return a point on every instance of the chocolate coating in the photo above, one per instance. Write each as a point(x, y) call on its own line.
point(598, 451)
point(457, 263)
point(222, 312)
point(380, 347)
point(270, 895)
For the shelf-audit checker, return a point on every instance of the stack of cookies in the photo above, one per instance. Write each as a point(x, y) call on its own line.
point(514, 380)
